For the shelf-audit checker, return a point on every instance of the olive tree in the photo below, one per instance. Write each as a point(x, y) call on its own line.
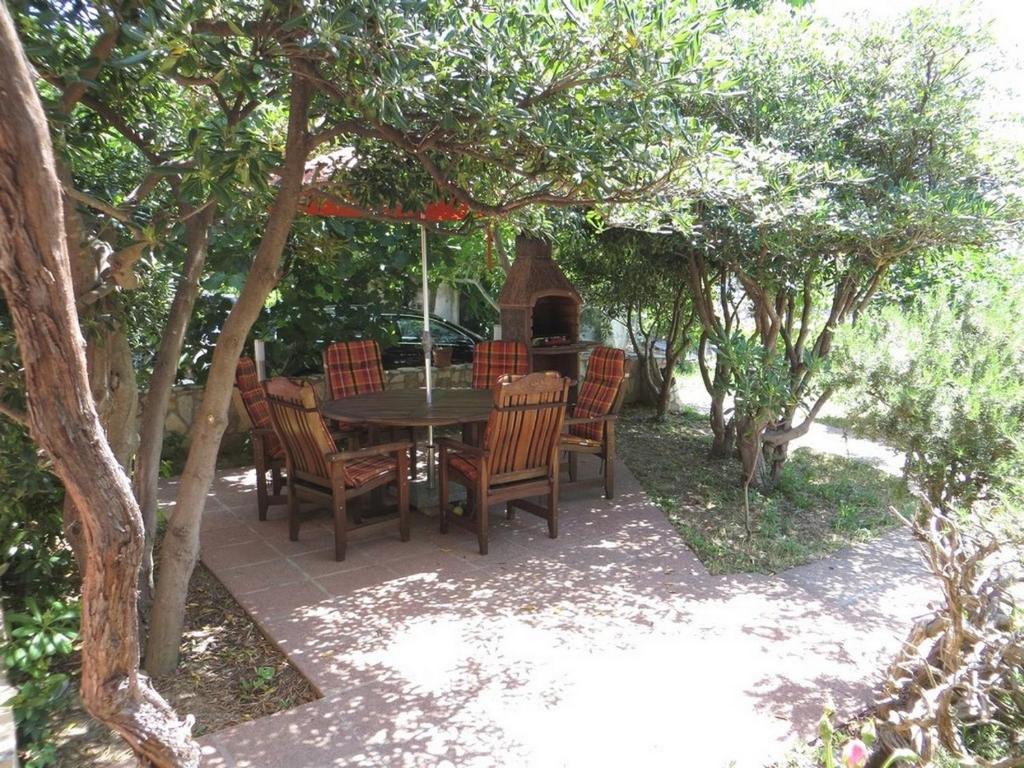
point(851, 150)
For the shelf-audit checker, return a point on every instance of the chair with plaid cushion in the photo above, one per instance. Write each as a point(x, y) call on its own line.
point(592, 423)
point(355, 368)
point(267, 452)
point(494, 359)
point(518, 457)
point(318, 471)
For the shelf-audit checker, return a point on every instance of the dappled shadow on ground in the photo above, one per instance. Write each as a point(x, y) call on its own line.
point(611, 643)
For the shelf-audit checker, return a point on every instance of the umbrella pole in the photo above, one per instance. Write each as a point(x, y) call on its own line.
point(427, 345)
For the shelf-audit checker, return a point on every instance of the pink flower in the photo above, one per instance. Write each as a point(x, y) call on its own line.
point(855, 754)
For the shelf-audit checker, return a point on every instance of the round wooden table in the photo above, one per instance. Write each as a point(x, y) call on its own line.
point(408, 408)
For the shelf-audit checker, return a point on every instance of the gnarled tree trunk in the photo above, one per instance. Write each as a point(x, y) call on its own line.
point(180, 548)
point(36, 280)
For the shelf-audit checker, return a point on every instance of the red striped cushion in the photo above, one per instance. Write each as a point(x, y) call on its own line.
point(362, 471)
point(605, 372)
point(255, 401)
point(352, 368)
point(493, 359)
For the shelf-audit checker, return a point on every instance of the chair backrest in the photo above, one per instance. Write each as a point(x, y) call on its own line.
point(254, 399)
point(352, 368)
point(494, 359)
point(600, 392)
point(523, 429)
point(296, 416)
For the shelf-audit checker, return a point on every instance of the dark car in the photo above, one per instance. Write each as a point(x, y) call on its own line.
point(407, 328)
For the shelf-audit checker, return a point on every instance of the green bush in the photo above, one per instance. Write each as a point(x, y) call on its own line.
point(40, 588)
point(944, 383)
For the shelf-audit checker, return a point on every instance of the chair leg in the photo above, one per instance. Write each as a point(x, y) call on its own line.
point(275, 479)
point(402, 480)
point(262, 502)
point(553, 510)
point(480, 502)
point(340, 520)
point(293, 511)
point(609, 462)
point(574, 466)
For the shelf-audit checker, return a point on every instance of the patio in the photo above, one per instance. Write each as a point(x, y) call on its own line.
point(609, 645)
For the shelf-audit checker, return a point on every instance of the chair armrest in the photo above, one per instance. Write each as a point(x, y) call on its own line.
point(570, 420)
point(372, 450)
point(457, 446)
point(262, 431)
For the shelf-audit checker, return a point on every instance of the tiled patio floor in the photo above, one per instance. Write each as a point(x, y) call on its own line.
point(610, 645)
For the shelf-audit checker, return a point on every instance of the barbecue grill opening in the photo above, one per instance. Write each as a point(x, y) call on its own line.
point(555, 321)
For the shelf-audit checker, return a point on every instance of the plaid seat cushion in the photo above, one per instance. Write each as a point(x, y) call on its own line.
point(493, 359)
point(465, 466)
point(583, 442)
point(605, 372)
point(362, 471)
point(255, 401)
point(352, 368)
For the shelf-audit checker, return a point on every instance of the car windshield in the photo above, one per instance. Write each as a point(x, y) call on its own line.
point(411, 329)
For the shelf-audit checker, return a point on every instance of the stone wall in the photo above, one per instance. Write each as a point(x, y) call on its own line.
point(185, 399)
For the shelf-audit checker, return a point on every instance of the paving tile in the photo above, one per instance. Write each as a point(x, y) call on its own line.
point(321, 562)
point(253, 578)
point(218, 559)
point(609, 645)
point(215, 518)
point(236, 533)
point(282, 600)
point(348, 582)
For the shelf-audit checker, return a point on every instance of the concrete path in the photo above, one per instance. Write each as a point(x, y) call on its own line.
point(609, 646)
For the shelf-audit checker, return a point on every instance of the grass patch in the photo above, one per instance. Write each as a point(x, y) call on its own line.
point(823, 502)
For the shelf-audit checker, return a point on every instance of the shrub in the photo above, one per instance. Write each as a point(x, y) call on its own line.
point(944, 383)
point(40, 589)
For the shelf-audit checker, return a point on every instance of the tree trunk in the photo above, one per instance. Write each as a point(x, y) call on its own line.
point(723, 430)
point(165, 370)
point(776, 454)
point(180, 547)
point(35, 275)
point(108, 358)
point(755, 470)
point(665, 386)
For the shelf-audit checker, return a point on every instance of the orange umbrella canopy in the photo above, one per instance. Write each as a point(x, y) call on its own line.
point(317, 202)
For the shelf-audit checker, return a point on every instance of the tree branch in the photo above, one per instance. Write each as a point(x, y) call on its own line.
point(18, 417)
point(786, 435)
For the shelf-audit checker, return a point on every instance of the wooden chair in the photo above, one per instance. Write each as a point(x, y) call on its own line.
point(316, 470)
point(267, 451)
point(518, 457)
point(355, 368)
point(592, 423)
point(494, 359)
